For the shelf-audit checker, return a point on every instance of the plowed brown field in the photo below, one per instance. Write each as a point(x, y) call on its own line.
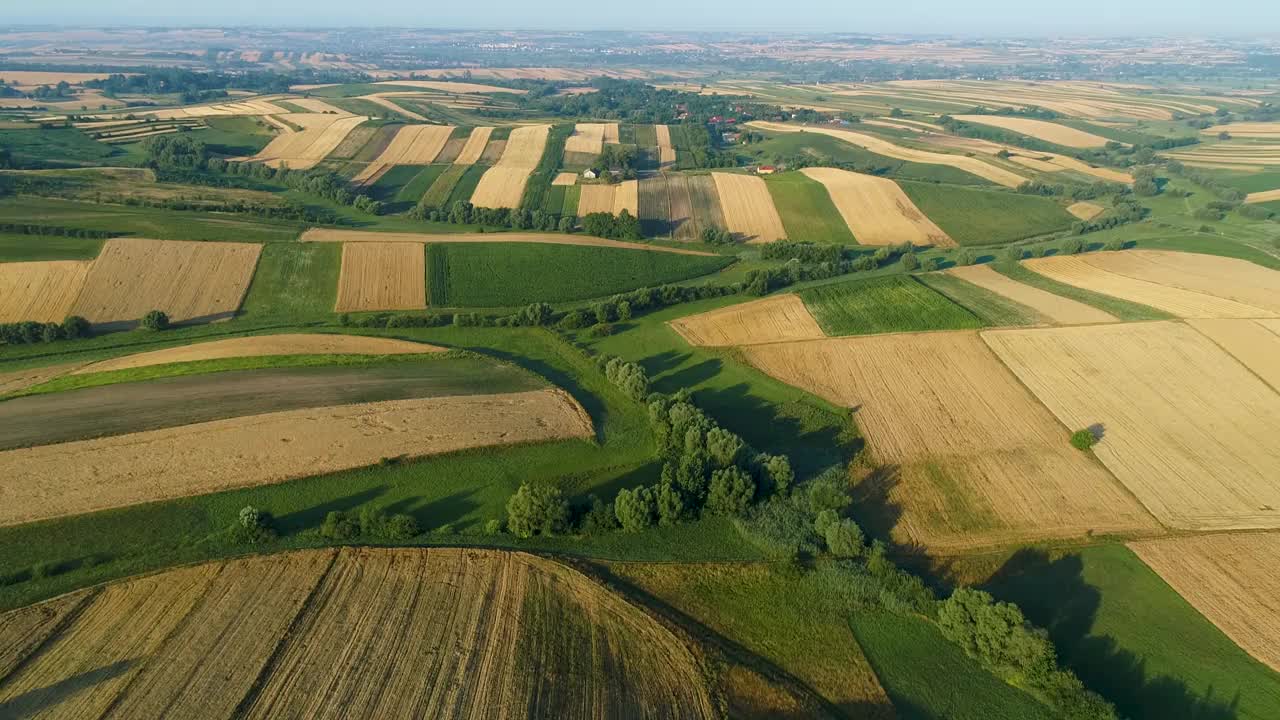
point(40, 291)
point(967, 455)
point(748, 207)
point(190, 281)
point(87, 475)
point(382, 276)
point(1231, 579)
point(1187, 428)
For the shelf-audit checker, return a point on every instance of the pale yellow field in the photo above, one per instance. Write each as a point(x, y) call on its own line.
point(971, 165)
point(31, 78)
point(500, 187)
point(303, 150)
point(40, 291)
point(246, 107)
point(525, 146)
point(1081, 272)
point(965, 451)
point(412, 145)
point(317, 106)
point(1232, 153)
point(877, 211)
point(350, 236)
point(474, 148)
point(1256, 343)
point(1070, 163)
point(1039, 129)
point(748, 207)
point(88, 475)
point(591, 137)
point(1187, 428)
point(612, 199)
point(264, 345)
point(1085, 210)
point(1076, 99)
point(774, 319)
point(382, 276)
point(1231, 579)
point(1264, 196)
point(1061, 310)
point(382, 99)
point(1228, 278)
point(565, 178)
point(1265, 130)
point(666, 151)
point(189, 281)
point(453, 87)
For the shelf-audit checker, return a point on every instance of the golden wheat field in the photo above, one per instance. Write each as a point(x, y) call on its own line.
point(502, 185)
point(1185, 426)
point(1090, 274)
point(525, 146)
point(321, 135)
point(476, 143)
point(1061, 310)
point(1237, 280)
point(1231, 579)
point(565, 179)
point(876, 210)
point(612, 199)
point(189, 281)
point(775, 319)
point(264, 345)
point(454, 87)
point(1085, 210)
point(590, 138)
point(412, 145)
point(384, 99)
point(1256, 343)
point(748, 207)
point(88, 475)
point(666, 151)
point(1073, 98)
point(1264, 130)
point(368, 632)
point(42, 291)
point(963, 449)
point(1264, 196)
point(1039, 129)
point(880, 146)
point(382, 276)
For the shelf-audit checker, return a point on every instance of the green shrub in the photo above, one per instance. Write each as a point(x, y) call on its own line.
point(730, 492)
point(1083, 439)
point(155, 320)
point(1013, 254)
point(636, 509)
point(537, 508)
point(337, 526)
point(909, 261)
point(493, 527)
point(845, 539)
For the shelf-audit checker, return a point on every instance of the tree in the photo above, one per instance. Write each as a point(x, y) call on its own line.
point(730, 492)
point(636, 509)
point(74, 327)
point(845, 539)
point(1013, 254)
point(537, 508)
point(775, 473)
point(910, 262)
point(1072, 246)
point(724, 447)
point(155, 320)
point(1083, 439)
point(670, 504)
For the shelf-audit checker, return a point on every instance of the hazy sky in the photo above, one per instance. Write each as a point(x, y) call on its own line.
point(1108, 17)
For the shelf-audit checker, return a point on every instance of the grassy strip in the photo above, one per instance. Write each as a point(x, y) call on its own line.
point(155, 223)
point(417, 187)
point(437, 275)
point(393, 181)
point(437, 196)
point(54, 147)
point(992, 309)
point(572, 194)
point(806, 209)
point(466, 184)
point(206, 367)
point(986, 217)
point(540, 179)
point(1132, 638)
point(294, 280)
point(1122, 309)
point(511, 274)
point(16, 247)
point(896, 303)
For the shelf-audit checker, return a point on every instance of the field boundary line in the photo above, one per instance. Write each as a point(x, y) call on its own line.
point(264, 672)
point(1232, 355)
point(67, 621)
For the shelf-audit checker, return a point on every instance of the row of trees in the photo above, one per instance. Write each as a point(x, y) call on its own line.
point(56, 231)
point(29, 332)
point(464, 213)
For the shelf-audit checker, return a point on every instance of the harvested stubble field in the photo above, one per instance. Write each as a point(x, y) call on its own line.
point(895, 303)
point(412, 145)
point(1096, 274)
point(1230, 579)
point(877, 210)
point(474, 148)
point(612, 199)
point(1224, 277)
point(322, 134)
point(89, 475)
point(748, 208)
point(1187, 428)
point(330, 633)
point(780, 318)
point(1085, 210)
point(366, 236)
point(1256, 343)
point(666, 151)
point(1265, 130)
point(1039, 129)
point(565, 179)
point(40, 291)
point(382, 276)
point(992, 309)
point(502, 186)
point(453, 87)
point(589, 138)
point(1060, 310)
point(189, 281)
point(966, 453)
point(264, 345)
point(880, 146)
point(1262, 197)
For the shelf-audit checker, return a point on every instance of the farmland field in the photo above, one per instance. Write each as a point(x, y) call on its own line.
point(263, 345)
point(681, 206)
point(1237, 280)
point(146, 647)
point(806, 209)
point(882, 305)
point(986, 217)
point(612, 199)
point(967, 455)
point(1196, 457)
point(28, 248)
point(774, 319)
point(1055, 308)
point(381, 276)
point(876, 209)
point(1039, 129)
point(294, 280)
point(40, 291)
point(1256, 343)
point(1113, 306)
point(993, 309)
point(500, 274)
point(440, 192)
point(748, 207)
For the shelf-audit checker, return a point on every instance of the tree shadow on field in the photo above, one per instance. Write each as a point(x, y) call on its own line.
point(645, 474)
point(440, 511)
point(1054, 594)
point(41, 700)
point(313, 516)
point(874, 510)
point(565, 381)
point(688, 376)
point(664, 362)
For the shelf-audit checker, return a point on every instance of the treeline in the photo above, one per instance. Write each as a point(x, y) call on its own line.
point(56, 231)
point(192, 84)
point(1072, 192)
point(29, 332)
point(808, 261)
point(697, 149)
point(464, 213)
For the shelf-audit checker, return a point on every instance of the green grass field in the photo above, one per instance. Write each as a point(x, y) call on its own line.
point(438, 194)
point(830, 151)
point(986, 217)
point(145, 222)
point(294, 281)
point(235, 136)
point(55, 147)
point(1122, 309)
point(387, 187)
point(417, 187)
point(1129, 636)
point(994, 310)
point(806, 209)
point(572, 195)
point(1253, 182)
point(896, 303)
point(466, 184)
point(26, 248)
point(512, 274)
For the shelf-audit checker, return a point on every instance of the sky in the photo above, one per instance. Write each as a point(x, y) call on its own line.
point(962, 17)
